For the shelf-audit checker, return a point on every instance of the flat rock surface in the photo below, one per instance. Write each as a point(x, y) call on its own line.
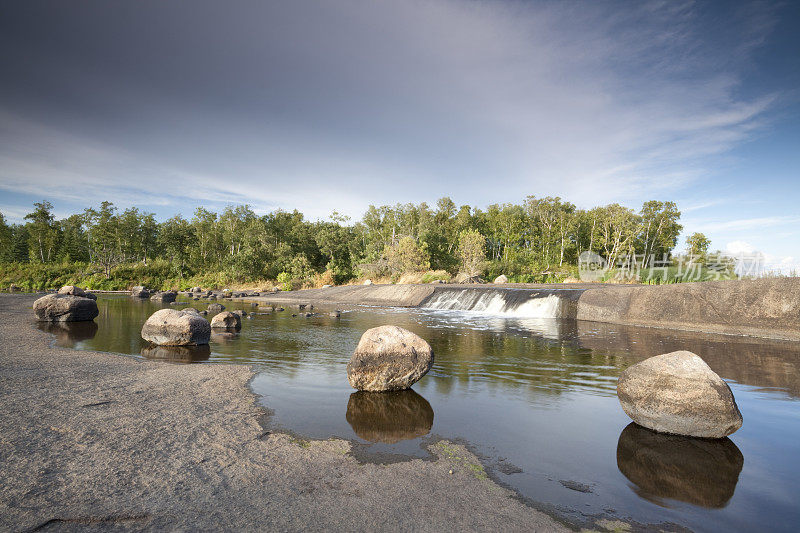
point(94, 441)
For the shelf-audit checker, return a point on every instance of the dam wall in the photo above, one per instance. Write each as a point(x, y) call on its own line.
point(763, 308)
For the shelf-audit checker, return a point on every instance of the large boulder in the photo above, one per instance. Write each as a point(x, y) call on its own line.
point(164, 297)
point(389, 358)
point(65, 308)
point(678, 393)
point(140, 292)
point(173, 327)
point(502, 278)
point(227, 320)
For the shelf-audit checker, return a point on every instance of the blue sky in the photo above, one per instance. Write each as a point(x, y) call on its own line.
point(338, 105)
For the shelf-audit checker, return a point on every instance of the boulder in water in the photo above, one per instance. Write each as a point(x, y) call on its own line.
point(227, 320)
point(678, 393)
point(140, 292)
point(164, 297)
point(65, 308)
point(73, 290)
point(389, 358)
point(173, 327)
point(215, 308)
point(502, 278)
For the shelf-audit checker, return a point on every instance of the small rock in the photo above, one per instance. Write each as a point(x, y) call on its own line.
point(140, 292)
point(389, 358)
point(678, 393)
point(335, 314)
point(215, 308)
point(367, 282)
point(502, 278)
point(164, 297)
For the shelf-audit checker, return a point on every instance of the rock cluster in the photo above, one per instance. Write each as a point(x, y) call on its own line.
point(140, 292)
point(65, 308)
point(678, 393)
point(173, 327)
point(164, 297)
point(389, 358)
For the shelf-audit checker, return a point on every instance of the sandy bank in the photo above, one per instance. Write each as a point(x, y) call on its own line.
point(97, 441)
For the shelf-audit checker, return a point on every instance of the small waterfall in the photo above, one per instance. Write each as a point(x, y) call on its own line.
point(514, 303)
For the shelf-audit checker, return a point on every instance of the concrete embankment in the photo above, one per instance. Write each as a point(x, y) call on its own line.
point(764, 308)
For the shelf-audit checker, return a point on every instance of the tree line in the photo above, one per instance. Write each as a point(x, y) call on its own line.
point(526, 241)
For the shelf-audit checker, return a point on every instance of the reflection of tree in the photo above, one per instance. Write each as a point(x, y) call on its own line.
point(389, 416)
point(698, 471)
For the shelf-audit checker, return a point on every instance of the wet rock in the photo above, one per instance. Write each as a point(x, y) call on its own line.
point(253, 304)
point(678, 393)
point(698, 471)
point(215, 308)
point(173, 327)
point(388, 358)
point(502, 278)
point(576, 485)
point(279, 309)
point(140, 292)
point(389, 417)
point(308, 315)
point(64, 308)
point(164, 297)
point(178, 354)
point(335, 314)
point(90, 295)
point(191, 310)
point(239, 312)
point(227, 320)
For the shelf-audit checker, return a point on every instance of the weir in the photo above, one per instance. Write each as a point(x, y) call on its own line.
point(508, 302)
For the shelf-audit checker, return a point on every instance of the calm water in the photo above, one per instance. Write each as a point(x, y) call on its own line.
point(534, 398)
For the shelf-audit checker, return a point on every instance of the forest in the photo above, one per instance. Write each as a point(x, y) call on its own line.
point(537, 240)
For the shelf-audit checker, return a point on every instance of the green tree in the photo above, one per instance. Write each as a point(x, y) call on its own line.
point(472, 252)
point(104, 243)
point(697, 245)
point(42, 232)
point(406, 256)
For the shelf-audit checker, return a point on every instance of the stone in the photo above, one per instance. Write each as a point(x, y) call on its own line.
point(90, 295)
point(173, 327)
point(327, 286)
point(65, 308)
point(196, 289)
point(191, 310)
point(140, 292)
point(164, 297)
point(388, 358)
point(227, 320)
point(240, 313)
point(367, 282)
point(502, 278)
point(678, 393)
point(215, 308)
point(335, 314)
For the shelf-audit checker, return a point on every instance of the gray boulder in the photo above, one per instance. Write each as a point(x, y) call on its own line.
point(215, 308)
point(65, 308)
point(227, 320)
point(164, 297)
point(389, 358)
point(173, 327)
point(73, 290)
point(140, 292)
point(502, 278)
point(678, 393)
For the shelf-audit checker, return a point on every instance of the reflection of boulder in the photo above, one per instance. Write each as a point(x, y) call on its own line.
point(69, 333)
point(698, 471)
point(178, 354)
point(389, 416)
point(222, 336)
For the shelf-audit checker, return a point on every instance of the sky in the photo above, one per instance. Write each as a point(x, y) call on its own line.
point(336, 105)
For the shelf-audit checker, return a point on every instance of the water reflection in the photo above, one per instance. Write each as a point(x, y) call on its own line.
point(702, 472)
point(389, 417)
point(178, 354)
point(224, 336)
point(69, 333)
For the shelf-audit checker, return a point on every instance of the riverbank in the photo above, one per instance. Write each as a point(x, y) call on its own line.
point(92, 440)
point(768, 308)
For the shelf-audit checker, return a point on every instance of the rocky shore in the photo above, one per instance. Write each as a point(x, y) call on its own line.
point(94, 441)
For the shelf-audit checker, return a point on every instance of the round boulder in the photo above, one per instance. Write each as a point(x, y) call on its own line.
point(64, 308)
point(173, 327)
point(502, 278)
point(164, 297)
point(215, 308)
point(227, 320)
point(678, 393)
point(73, 290)
point(389, 358)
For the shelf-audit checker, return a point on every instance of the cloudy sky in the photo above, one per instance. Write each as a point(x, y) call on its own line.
point(341, 104)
